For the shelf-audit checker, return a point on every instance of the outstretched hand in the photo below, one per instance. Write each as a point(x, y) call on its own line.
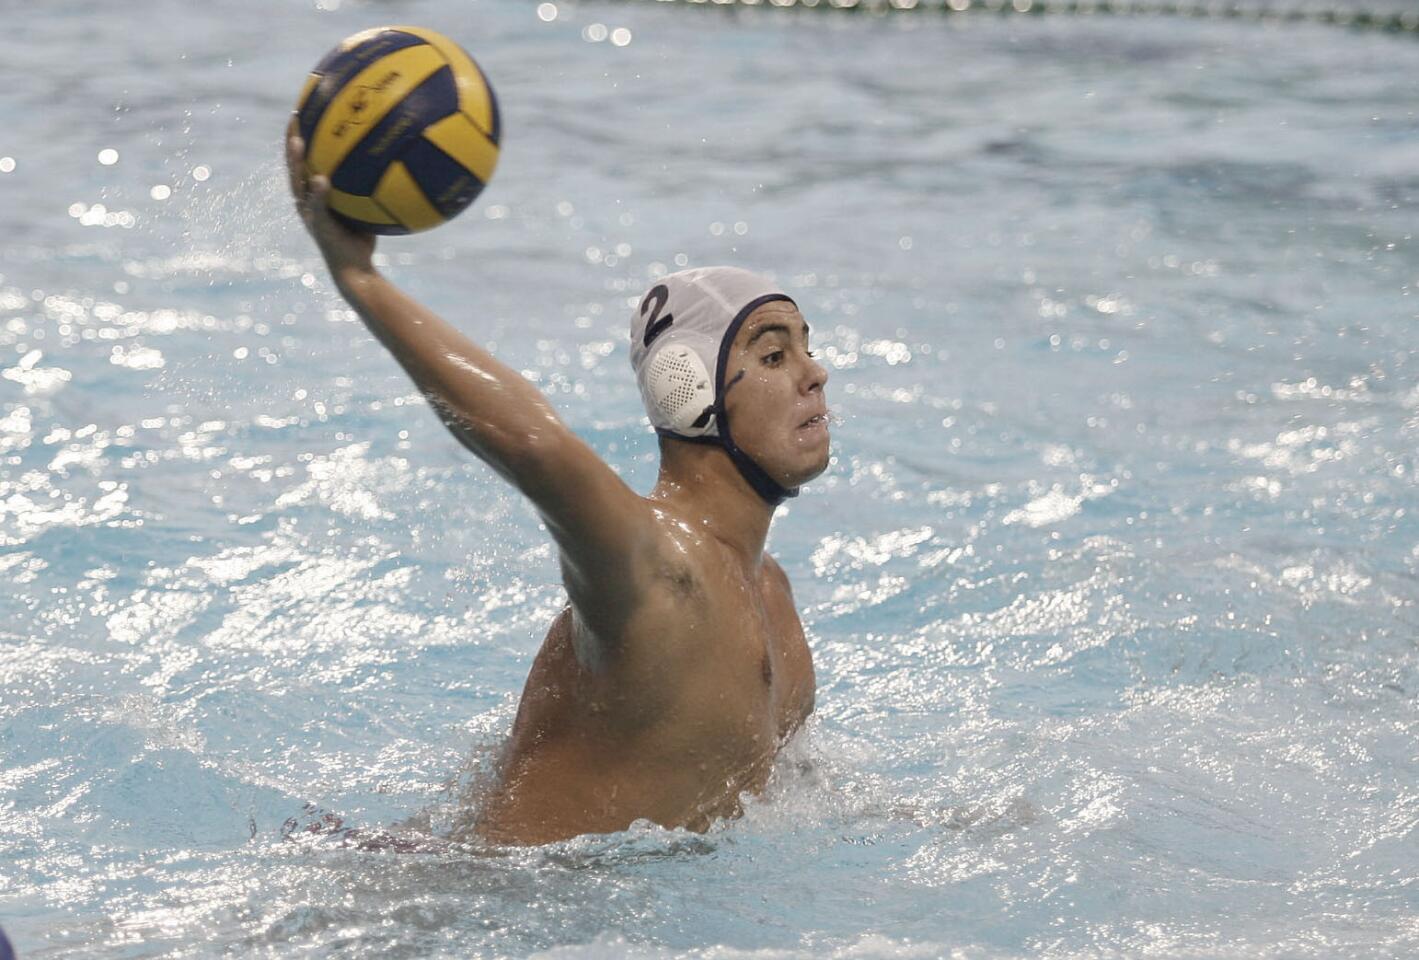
point(344, 249)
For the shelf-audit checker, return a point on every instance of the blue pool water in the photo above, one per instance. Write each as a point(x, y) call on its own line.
point(1113, 586)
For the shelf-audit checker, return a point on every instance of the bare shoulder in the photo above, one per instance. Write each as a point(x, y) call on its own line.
point(683, 556)
point(650, 597)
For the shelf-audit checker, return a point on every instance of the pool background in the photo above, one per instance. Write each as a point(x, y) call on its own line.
point(1111, 587)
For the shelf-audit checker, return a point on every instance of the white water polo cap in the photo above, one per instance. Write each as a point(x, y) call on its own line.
point(681, 333)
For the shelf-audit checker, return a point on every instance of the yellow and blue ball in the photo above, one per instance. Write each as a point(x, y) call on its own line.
point(404, 124)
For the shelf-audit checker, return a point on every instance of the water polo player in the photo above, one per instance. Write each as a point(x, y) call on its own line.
point(678, 667)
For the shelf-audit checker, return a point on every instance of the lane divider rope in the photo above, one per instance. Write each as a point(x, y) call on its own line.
point(1395, 21)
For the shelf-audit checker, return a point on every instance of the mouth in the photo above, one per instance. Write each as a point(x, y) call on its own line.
point(817, 421)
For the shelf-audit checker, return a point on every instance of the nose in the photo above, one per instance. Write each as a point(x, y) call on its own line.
point(815, 376)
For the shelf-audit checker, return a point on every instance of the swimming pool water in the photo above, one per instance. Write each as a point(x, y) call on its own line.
point(1111, 586)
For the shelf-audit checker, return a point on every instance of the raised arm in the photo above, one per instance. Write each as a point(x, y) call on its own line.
point(606, 533)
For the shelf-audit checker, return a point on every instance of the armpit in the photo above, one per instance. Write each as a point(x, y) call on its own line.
point(681, 580)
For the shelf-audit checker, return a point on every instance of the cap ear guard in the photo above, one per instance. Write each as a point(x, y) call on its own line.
point(679, 387)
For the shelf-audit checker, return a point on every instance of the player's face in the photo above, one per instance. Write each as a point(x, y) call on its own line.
point(777, 411)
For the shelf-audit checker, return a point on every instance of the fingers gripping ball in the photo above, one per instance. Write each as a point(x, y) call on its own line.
point(405, 126)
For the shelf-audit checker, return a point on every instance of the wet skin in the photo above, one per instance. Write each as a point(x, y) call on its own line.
point(714, 675)
point(679, 666)
point(711, 673)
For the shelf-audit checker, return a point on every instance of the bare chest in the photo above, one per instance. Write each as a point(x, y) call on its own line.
point(689, 712)
point(743, 664)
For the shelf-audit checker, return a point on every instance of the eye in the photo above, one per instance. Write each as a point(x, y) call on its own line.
point(774, 359)
point(812, 353)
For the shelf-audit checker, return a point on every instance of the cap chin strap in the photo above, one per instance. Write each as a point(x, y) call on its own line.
point(764, 485)
point(772, 492)
point(756, 476)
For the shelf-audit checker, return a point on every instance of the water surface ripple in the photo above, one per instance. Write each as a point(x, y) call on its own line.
point(1112, 586)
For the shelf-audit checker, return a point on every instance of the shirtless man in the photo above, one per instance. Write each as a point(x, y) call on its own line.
point(679, 667)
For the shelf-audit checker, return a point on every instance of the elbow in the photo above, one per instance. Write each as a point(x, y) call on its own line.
point(525, 454)
point(538, 458)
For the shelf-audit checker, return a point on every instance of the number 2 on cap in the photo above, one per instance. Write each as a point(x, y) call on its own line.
point(657, 324)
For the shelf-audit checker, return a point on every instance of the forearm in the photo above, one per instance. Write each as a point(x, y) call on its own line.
point(488, 406)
